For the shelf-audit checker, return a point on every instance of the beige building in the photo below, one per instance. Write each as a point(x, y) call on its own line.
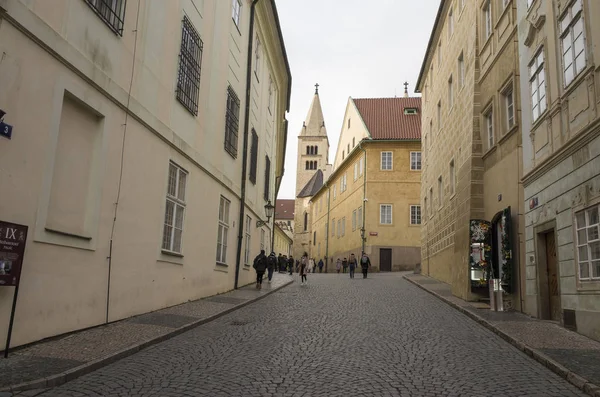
point(471, 192)
point(561, 160)
point(374, 190)
point(312, 169)
point(128, 156)
point(282, 244)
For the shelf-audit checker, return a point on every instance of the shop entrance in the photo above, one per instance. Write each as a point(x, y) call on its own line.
point(549, 277)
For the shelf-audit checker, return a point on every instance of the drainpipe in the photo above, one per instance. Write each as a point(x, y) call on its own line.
point(364, 211)
point(245, 150)
point(273, 224)
point(327, 228)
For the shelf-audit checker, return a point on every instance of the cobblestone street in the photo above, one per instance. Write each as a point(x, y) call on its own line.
point(333, 337)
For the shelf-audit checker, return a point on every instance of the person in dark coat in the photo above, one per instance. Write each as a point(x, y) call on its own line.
point(321, 264)
point(304, 268)
point(271, 265)
point(365, 264)
point(291, 264)
point(260, 265)
point(352, 264)
point(344, 265)
point(281, 262)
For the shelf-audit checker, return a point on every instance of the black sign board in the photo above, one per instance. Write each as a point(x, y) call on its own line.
point(5, 130)
point(12, 247)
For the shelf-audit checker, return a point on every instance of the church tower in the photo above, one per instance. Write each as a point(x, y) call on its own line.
point(311, 171)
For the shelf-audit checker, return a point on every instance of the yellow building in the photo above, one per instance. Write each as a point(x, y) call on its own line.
point(282, 242)
point(374, 190)
point(471, 190)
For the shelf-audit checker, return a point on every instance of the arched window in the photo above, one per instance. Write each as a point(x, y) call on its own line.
point(308, 150)
point(305, 221)
point(315, 166)
point(308, 165)
point(316, 150)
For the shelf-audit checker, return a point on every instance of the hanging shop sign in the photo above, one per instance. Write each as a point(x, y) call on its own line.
point(12, 248)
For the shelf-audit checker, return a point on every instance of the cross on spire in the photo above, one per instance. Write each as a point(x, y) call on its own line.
point(317, 89)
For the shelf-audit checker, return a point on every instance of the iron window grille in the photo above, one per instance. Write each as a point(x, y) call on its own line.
point(190, 61)
point(232, 117)
point(253, 157)
point(112, 12)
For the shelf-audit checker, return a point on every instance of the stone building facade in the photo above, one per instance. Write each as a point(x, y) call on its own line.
point(374, 190)
point(132, 175)
point(472, 150)
point(561, 160)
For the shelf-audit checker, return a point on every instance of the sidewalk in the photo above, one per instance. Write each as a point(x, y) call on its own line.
point(569, 354)
point(59, 360)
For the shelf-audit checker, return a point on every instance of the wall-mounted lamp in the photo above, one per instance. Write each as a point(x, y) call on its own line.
point(268, 212)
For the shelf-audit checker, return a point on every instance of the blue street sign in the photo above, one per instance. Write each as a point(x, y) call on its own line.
point(6, 130)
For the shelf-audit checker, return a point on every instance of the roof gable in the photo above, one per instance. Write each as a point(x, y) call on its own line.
point(386, 118)
point(313, 185)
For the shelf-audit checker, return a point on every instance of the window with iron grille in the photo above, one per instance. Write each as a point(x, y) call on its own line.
point(232, 117)
point(253, 157)
point(267, 177)
point(112, 12)
point(190, 61)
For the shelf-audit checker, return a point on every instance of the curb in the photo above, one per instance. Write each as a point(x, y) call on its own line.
point(91, 366)
point(576, 380)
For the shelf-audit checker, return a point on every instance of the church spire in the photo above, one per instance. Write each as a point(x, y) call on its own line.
point(315, 123)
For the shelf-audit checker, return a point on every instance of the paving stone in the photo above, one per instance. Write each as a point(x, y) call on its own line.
point(18, 369)
point(333, 337)
point(163, 319)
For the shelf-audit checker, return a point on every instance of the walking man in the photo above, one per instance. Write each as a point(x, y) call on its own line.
point(365, 264)
point(291, 264)
point(352, 263)
point(345, 264)
point(271, 265)
point(338, 265)
point(303, 267)
point(260, 265)
point(321, 264)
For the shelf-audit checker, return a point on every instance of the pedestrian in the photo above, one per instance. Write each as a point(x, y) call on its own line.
point(260, 265)
point(352, 264)
point(271, 265)
point(280, 264)
point(291, 264)
point(321, 264)
point(303, 267)
point(365, 264)
point(311, 265)
point(338, 265)
point(297, 265)
point(345, 264)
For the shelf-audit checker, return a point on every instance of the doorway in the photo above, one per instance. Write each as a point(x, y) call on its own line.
point(385, 259)
point(549, 277)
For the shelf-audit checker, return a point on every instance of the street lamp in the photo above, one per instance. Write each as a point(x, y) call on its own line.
point(268, 212)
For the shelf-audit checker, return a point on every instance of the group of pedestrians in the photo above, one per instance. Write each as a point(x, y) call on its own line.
point(267, 264)
point(352, 264)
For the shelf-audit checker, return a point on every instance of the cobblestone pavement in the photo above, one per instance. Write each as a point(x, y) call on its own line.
point(333, 337)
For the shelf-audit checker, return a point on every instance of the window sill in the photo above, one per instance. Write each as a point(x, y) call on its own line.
point(452, 196)
point(386, 170)
point(508, 133)
point(489, 152)
point(171, 253)
point(576, 82)
point(536, 123)
point(256, 75)
point(172, 262)
point(486, 42)
point(588, 286)
point(67, 234)
point(236, 26)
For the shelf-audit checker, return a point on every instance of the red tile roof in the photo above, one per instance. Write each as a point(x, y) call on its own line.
point(385, 117)
point(284, 209)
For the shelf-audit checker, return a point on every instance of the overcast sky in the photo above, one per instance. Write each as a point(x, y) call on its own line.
point(352, 48)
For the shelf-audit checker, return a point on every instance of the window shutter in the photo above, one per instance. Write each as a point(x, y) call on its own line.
point(267, 177)
point(253, 157)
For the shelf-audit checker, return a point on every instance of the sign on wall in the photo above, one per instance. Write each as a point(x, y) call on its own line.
point(12, 248)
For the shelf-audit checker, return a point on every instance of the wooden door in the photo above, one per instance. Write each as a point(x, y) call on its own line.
point(554, 307)
point(385, 259)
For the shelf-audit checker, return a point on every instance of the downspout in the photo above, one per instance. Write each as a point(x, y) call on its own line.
point(273, 224)
point(245, 151)
point(327, 231)
point(364, 211)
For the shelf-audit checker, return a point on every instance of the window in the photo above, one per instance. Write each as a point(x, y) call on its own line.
point(223, 230)
point(316, 150)
point(333, 227)
point(572, 41)
point(315, 237)
point(386, 161)
point(440, 191)
point(232, 117)
point(360, 166)
point(505, 3)
point(510, 107)
point(190, 60)
point(343, 183)
point(452, 177)
point(262, 239)
point(267, 178)
point(489, 127)
point(247, 242)
point(425, 207)
point(343, 154)
point(588, 243)
point(431, 132)
point(253, 157)
point(529, 3)
point(410, 111)
point(439, 115)
point(354, 220)
point(174, 209)
point(257, 56)
point(450, 94)
point(339, 228)
point(462, 4)
point(450, 23)
point(415, 214)
point(431, 200)
point(305, 221)
point(487, 19)
point(237, 12)
point(348, 148)
point(270, 103)
point(348, 123)
point(461, 70)
point(112, 12)
point(360, 217)
point(353, 141)
point(537, 82)
point(385, 214)
point(334, 191)
point(439, 54)
point(343, 226)
point(415, 161)
point(356, 171)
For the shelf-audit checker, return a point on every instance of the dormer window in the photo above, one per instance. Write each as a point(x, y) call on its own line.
point(410, 111)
